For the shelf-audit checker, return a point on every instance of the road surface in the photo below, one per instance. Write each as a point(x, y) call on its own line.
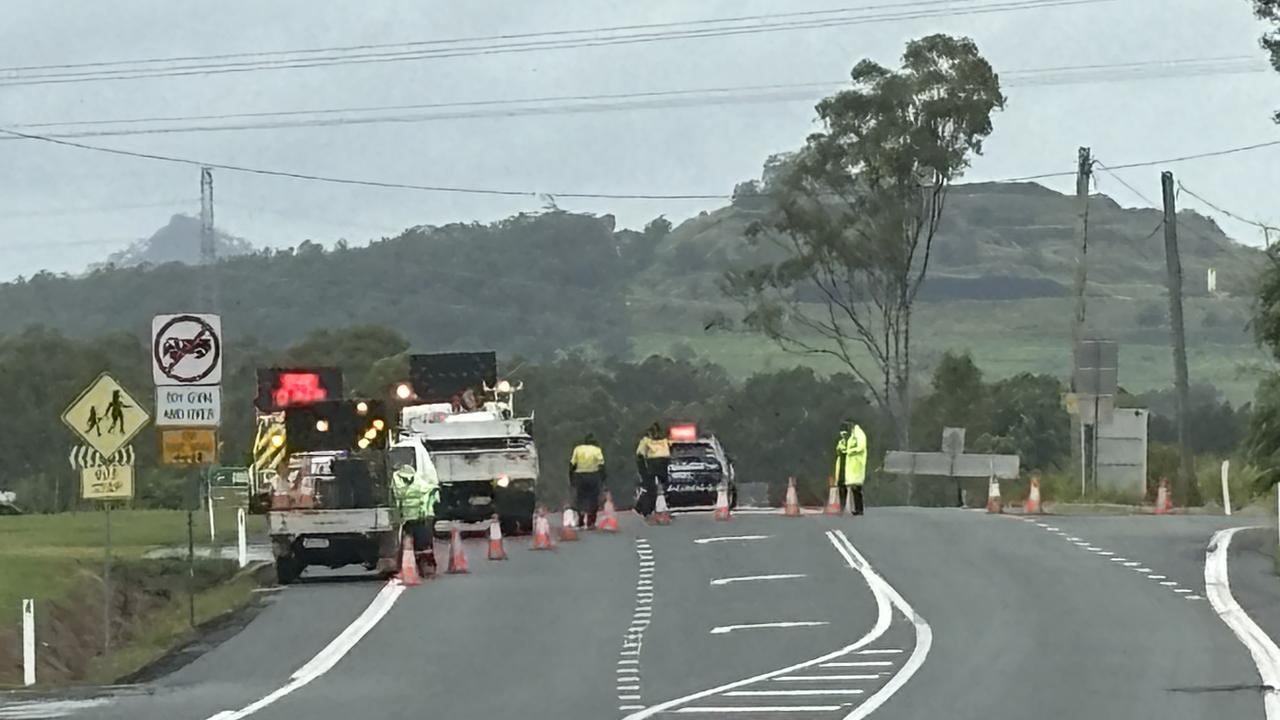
point(903, 613)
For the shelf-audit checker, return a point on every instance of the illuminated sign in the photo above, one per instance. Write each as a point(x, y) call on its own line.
point(281, 388)
point(684, 433)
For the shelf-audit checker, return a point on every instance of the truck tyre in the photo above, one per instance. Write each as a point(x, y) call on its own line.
point(287, 569)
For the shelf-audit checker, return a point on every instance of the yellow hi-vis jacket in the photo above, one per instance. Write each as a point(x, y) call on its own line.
point(586, 459)
point(650, 448)
point(853, 451)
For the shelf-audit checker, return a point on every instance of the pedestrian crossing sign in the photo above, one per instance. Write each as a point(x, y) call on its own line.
point(105, 416)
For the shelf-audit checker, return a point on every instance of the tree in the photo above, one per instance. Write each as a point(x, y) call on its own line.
point(959, 399)
point(1269, 11)
point(856, 211)
point(1263, 441)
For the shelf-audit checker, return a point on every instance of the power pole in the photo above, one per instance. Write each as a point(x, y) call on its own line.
point(1186, 471)
point(208, 243)
point(1084, 169)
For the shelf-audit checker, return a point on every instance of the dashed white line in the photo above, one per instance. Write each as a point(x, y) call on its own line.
point(751, 578)
point(881, 651)
point(722, 629)
point(1169, 583)
point(1156, 577)
point(729, 538)
point(758, 708)
point(864, 663)
point(810, 678)
point(783, 693)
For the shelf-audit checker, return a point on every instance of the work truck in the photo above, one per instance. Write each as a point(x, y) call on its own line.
point(332, 506)
point(483, 450)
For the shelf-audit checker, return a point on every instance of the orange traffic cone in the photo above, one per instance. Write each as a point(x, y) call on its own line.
point(722, 503)
point(408, 564)
point(541, 531)
point(791, 507)
point(993, 496)
point(497, 551)
point(608, 521)
point(661, 513)
point(1164, 503)
point(457, 556)
point(569, 525)
point(1032, 505)
point(833, 502)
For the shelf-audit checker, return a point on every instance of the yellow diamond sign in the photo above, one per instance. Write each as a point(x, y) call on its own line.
point(105, 416)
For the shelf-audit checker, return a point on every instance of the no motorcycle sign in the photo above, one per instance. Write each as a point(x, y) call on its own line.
point(186, 349)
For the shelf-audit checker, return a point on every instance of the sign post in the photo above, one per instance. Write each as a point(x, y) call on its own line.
point(242, 542)
point(186, 365)
point(105, 401)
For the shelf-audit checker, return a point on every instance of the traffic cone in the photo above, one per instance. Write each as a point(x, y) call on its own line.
point(608, 521)
point(408, 564)
point(833, 502)
point(541, 531)
point(457, 556)
point(661, 513)
point(1164, 503)
point(569, 525)
point(791, 507)
point(1032, 506)
point(722, 503)
point(993, 496)
point(497, 551)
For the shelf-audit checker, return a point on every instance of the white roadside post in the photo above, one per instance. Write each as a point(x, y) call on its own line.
point(1226, 489)
point(28, 642)
point(213, 535)
point(242, 541)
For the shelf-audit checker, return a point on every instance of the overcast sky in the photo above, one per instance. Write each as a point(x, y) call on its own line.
point(61, 208)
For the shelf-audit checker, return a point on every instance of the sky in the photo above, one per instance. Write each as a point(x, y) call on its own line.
point(62, 208)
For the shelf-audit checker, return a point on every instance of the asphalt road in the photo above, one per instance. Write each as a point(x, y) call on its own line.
point(930, 613)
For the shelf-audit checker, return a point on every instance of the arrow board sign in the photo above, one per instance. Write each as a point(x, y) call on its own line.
point(186, 349)
point(188, 406)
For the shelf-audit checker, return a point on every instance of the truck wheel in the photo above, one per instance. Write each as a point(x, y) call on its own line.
point(287, 569)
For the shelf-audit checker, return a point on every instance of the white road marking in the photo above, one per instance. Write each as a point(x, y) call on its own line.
point(1169, 583)
point(1105, 553)
point(1117, 559)
point(1051, 529)
point(729, 538)
point(924, 641)
point(1142, 570)
point(884, 615)
point(863, 663)
point(882, 651)
point(748, 578)
point(628, 697)
point(1074, 539)
point(1182, 590)
point(1156, 577)
point(630, 707)
point(770, 693)
point(629, 688)
point(329, 656)
point(810, 678)
point(628, 662)
point(40, 709)
point(1132, 564)
point(1091, 548)
point(1194, 597)
point(757, 708)
point(1266, 655)
point(722, 629)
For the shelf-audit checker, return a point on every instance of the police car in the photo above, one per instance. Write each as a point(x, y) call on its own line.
point(698, 465)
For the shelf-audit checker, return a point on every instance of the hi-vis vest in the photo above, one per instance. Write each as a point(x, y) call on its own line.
point(855, 457)
point(587, 459)
point(417, 498)
point(650, 448)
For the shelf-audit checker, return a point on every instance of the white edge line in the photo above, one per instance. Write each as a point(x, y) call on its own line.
point(884, 614)
point(924, 641)
point(329, 656)
point(1265, 653)
point(723, 629)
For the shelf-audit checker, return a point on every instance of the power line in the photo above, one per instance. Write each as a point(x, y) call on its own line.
point(1122, 181)
point(1228, 213)
point(582, 103)
point(367, 183)
point(536, 46)
point(485, 38)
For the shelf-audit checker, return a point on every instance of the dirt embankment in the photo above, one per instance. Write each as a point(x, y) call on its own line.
point(69, 633)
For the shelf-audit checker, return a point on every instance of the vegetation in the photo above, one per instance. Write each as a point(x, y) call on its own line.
point(855, 212)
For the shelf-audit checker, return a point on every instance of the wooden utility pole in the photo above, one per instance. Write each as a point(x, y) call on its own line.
point(1084, 168)
point(1190, 491)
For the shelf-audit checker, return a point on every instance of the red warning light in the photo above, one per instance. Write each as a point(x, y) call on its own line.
point(298, 388)
point(683, 433)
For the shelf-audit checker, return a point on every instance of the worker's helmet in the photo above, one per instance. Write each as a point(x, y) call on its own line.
point(406, 473)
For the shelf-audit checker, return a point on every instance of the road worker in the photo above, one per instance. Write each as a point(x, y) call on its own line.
point(851, 465)
point(653, 455)
point(586, 478)
point(417, 494)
